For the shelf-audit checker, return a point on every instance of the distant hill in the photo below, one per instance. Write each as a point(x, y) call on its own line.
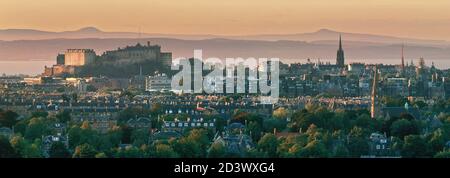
point(88, 32)
point(326, 35)
point(218, 47)
point(320, 35)
point(26, 44)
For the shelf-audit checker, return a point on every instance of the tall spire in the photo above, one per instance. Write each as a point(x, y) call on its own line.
point(403, 59)
point(373, 97)
point(340, 54)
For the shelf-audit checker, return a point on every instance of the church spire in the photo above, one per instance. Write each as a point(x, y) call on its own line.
point(403, 59)
point(340, 54)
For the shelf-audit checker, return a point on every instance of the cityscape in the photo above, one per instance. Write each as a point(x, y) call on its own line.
point(118, 101)
point(89, 105)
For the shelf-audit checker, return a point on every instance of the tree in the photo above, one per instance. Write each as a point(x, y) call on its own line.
point(187, 148)
point(357, 142)
point(101, 155)
point(268, 144)
point(420, 104)
point(63, 116)
point(436, 141)
point(36, 129)
point(26, 148)
point(8, 118)
point(195, 144)
point(156, 109)
point(341, 151)
point(39, 114)
point(139, 137)
point(270, 124)
point(165, 151)
point(302, 120)
point(403, 127)
point(394, 102)
point(79, 136)
point(314, 149)
point(253, 123)
point(443, 154)
point(85, 125)
point(217, 150)
point(59, 150)
point(280, 113)
point(220, 124)
point(414, 146)
point(85, 151)
point(200, 136)
point(113, 138)
point(290, 146)
point(129, 152)
point(6, 150)
point(254, 129)
point(126, 134)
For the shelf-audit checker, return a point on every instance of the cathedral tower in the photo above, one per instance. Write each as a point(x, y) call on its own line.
point(340, 54)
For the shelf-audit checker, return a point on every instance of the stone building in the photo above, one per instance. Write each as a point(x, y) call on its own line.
point(138, 53)
point(79, 57)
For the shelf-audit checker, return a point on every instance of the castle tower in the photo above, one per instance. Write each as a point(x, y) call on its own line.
point(340, 54)
point(374, 94)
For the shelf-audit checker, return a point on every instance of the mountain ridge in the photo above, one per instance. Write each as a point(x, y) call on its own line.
point(222, 48)
point(319, 35)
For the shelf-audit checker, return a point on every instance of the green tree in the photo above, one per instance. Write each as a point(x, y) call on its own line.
point(358, 142)
point(39, 114)
point(403, 127)
point(36, 129)
point(129, 152)
point(63, 116)
point(302, 120)
point(290, 146)
point(101, 155)
point(414, 146)
point(84, 134)
point(217, 150)
point(436, 141)
point(268, 144)
point(139, 137)
point(314, 149)
point(6, 150)
point(188, 148)
point(26, 149)
point(165, 151)
point(270, 124)
point(443, 154)
point(253, 123)
point(341, 151)
point(8, 118)
point(420, 104)
point(59, 150)
point(85, 151)
point(200, 136)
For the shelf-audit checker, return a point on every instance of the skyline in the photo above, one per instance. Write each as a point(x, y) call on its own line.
point(413, 19)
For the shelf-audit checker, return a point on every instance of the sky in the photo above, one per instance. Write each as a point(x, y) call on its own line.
point(404, 18)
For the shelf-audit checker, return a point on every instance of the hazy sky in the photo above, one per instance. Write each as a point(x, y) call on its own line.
point(405, 18)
